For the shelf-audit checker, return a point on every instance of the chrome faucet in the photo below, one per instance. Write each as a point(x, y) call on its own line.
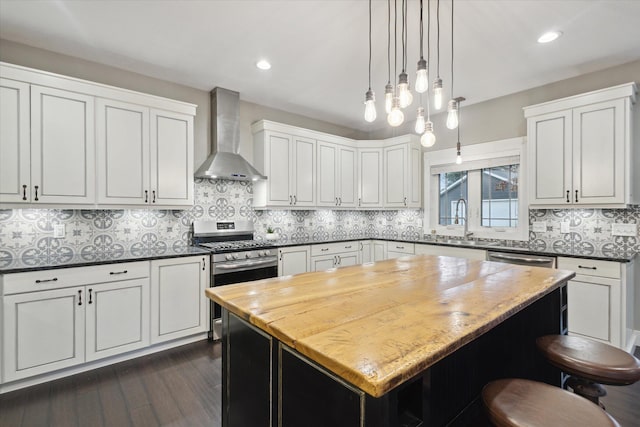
point(466, 232)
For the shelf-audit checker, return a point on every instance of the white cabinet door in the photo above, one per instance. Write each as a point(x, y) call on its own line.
point(327, 174)
point(45, 331)
point(117, 317)
point(345, 260)
point(293, 260)
point(62, 146)
point(15, 161)
point(179, 306)
point(171, 159)
point(598, 153)
point(414, 184)
point(122, 152)
point(303, 180)
point(365, 251)
point(347, 177)
point(370, 177)
point(279, 158)
point(322, 263)
point(379, 250)
point(550, 150)
point(588, 309)
point(395, 176)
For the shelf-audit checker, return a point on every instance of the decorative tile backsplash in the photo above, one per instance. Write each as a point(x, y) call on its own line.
point(29, 232)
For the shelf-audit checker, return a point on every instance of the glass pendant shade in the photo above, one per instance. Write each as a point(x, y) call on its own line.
point(388, 98)
point(422, 79)
point(428, 139)
point(370, 113)
point(437, 94)
point(396, 116)
point(420, 125)
point(452, 115)
point(404, 94)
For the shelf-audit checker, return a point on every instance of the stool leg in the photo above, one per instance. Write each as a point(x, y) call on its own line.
point(587, 389)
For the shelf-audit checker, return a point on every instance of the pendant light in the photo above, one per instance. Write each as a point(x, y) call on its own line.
point(458, 145)
point(437, 83)
point(396, 116)
point(452, 109)
point(369, 103)
point(422, 77)
point(404, 93)
point(428, 138)
point(420, 123)
point(388, 89)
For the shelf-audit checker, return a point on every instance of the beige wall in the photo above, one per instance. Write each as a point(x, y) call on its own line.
point(32, 57)
point(502, 118)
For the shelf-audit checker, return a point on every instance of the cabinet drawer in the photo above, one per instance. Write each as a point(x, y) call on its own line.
point(334, 248)
point(589, 267)
point(405, 248)
point(77, 276)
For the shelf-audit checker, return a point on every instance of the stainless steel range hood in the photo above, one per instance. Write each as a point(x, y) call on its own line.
point(225, 162)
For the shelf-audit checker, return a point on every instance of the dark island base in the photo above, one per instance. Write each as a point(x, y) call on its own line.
point(266, 383)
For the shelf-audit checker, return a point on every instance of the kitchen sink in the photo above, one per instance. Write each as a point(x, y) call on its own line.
point(468, 242)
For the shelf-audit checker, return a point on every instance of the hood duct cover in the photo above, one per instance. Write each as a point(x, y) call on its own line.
point(225, 162)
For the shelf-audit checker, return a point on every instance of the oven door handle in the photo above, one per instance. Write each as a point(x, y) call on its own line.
point(245, 264)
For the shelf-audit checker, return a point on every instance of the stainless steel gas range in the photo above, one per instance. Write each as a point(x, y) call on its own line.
point(235, 258)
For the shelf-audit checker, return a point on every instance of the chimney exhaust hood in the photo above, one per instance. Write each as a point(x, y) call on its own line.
point(224, 161)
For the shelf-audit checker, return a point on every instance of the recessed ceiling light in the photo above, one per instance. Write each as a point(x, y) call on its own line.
point(549, 36)
point(263, 64)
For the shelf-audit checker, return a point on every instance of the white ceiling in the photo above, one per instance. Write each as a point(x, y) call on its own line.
point(319, 48)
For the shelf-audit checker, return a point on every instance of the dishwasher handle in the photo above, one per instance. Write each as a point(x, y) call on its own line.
point(516, 258)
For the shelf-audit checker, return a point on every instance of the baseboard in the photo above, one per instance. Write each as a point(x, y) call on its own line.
point(39, 379)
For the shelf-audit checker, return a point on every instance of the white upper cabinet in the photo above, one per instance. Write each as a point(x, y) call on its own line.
point(370, 173)
point(289, 162)
point(15, 143)
point(581, 151)
point(58, 133)
point(337, 166)
point(403, 173)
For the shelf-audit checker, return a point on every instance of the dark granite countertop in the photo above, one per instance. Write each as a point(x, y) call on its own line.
point(70, 259)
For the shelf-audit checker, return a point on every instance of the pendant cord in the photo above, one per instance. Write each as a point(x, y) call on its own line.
point(438, 26)
point(421, 32)
point(395, 38)
point(389, 41)
point(369, 44)
point(404, 35)
point(428, 52)
point(451, 49)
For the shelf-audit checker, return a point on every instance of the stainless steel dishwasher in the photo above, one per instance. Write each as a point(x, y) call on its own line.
point(522, 259)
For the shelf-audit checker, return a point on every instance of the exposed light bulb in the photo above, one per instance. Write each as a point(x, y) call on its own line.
point(452, 116)
point(420, 125)
point(428, 138)
point(370, 113)
point(404, 94)
point(422, 78)
point(458, 159)
point(388, 97)
point(396, 116)
point(437, 93)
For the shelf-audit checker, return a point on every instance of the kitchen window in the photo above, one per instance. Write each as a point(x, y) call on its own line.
point(486, 190)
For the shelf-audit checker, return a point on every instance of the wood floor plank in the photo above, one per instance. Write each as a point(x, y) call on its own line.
point(11, 409)
point(63, 403)
point(36, 411)
point(164, 407)
point(115, 411)
point(88, 404)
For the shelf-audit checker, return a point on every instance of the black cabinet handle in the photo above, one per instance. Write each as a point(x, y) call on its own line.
point(576, 196)
point(118, 272)
point(291, 200)
point(80, 297)
point(36, 199)
point(405, 201)
point(360, 201)
point(24, 192)
point(90, 299)
point(55, 279)
point(324, 249)
point(587, 268)
point(154, 196)
point(348, 247)
point(568, 201)
point(146, 196)
point(203, 265)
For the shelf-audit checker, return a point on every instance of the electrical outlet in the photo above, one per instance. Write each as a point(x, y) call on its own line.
point(58, 231)
point(564, 227)
point(630, 230)
point(539, 226)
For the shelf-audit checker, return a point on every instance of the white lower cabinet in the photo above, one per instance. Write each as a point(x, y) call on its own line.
point(378, 250)
point(397, 250)
point(55, 319)
point(332, 255)
point(600, 299)
point(468, 253)
point(294, 260)
point(178, 304)
point(366, 254)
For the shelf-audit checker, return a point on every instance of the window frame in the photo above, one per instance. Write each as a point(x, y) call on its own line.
point(477, 153)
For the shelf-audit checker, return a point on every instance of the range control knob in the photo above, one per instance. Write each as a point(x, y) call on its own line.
point(248, 255)
point(228, 257)
point(235, 256)
point(267, 252)
point(261, 253)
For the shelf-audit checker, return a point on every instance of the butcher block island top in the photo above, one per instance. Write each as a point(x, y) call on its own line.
point(377, 325)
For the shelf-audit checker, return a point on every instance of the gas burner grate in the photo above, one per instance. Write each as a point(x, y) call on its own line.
point(232, 245)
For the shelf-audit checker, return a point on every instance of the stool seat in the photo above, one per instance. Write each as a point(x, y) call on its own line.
point(590, 359)
point(519, 403)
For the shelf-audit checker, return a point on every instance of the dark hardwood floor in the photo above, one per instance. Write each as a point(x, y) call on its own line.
point(178, 387)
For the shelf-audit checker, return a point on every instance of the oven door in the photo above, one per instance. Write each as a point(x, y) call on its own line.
point(229, 278)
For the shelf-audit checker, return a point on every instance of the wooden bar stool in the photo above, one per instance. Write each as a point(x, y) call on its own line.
point(590, 363)
point(519, 403)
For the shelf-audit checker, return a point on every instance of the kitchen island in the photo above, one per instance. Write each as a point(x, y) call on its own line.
point(403, 342)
